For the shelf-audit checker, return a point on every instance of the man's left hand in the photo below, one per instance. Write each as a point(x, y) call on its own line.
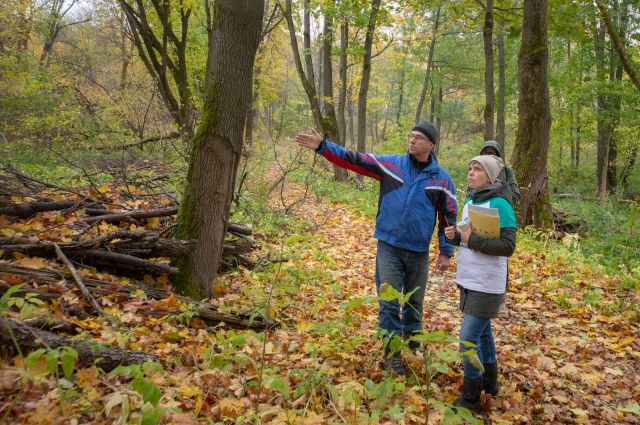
point(443, 262)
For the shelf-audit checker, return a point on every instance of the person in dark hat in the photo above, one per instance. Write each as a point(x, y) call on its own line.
point(416, 194)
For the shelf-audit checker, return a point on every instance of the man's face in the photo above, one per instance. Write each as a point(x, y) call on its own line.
point(420, 146)
point(489, 151)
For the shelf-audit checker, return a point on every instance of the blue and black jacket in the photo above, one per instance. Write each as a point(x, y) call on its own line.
point(411, 201)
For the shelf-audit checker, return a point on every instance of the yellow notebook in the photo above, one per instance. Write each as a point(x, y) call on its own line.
point(486, 221)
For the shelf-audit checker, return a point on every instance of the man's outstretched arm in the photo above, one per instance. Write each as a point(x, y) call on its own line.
point(364, 164)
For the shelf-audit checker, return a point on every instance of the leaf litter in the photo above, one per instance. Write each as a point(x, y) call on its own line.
point(562, 358)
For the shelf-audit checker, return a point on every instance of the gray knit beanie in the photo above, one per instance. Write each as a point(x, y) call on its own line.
point(428, 129)
point(492, 165)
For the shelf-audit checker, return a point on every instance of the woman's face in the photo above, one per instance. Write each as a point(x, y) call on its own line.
point(489, 151)
point(477, 178)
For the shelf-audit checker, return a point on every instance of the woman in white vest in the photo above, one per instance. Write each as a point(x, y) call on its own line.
point(481, 272)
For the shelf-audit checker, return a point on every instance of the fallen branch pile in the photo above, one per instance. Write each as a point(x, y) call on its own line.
point(51, 284)
point(121, 251)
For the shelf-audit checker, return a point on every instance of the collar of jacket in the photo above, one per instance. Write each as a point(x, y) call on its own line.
point(432, 160)
point(494, 190)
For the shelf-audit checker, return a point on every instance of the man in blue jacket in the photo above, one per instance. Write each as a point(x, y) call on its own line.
point(415, 195)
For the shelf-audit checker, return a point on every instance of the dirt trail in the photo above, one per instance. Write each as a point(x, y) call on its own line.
point(558, 365)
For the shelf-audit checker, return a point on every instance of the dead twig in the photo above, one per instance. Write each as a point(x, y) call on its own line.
point(97, 307)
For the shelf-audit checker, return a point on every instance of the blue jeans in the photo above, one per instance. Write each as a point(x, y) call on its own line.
point(478, 332)
point(405, 270)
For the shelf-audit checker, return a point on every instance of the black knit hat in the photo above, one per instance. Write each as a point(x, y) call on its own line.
point(428, 129)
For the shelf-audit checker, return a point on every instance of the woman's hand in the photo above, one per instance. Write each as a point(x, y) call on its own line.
point(450, 232)
point(464, 235)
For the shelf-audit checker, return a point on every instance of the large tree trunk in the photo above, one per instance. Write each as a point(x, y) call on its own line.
point(425, 85)
point(615, 75)
point(603, 106)
point(534, 118)
point(489, 94)
point(502, 86)
point(217, 145)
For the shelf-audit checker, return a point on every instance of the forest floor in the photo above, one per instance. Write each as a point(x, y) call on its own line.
point(562, 360)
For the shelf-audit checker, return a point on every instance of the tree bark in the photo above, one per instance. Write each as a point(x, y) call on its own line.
point(603, 106)
point(89, 353)
point(489, 90)
point(534, 118)
point(32, 208)
point(217, 145)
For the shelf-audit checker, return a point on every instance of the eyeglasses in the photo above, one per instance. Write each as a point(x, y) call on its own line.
point(417, 137)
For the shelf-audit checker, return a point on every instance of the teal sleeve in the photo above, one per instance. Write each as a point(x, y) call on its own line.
point(505, 211)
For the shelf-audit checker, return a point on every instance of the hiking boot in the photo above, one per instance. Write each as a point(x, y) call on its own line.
point(414, 346)
point(471, 389)
point(503, 312)
point(490, 379)
point(394, 365)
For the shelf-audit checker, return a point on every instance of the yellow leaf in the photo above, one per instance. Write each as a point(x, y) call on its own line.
point(314, 419)
point(104, 188)
point(443, 306)
point(164, 279)
point(152, 223)
point(231, 407)
point(10, 233)
point(622, 343)
point(168, 304)
point(133, 227)
point(32, 263)
point(87, 378)
point(103, 227)
point(303, 326)
point(190, 391)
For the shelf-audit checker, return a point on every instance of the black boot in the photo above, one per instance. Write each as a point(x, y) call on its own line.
point(414, 346)
point(393, 362)
point(490, 378)
point(471, 390)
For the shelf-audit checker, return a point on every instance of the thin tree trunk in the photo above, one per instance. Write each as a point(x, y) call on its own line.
point(603, 123)
point(342, 97)
point(217, 145)
point(502, 86)
point(366, 75)
point(329, 119)
point(618, 44)
point(439, 121)
point(534, 118)
point(401, 88)
point(425, 85)
point(489, 90)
